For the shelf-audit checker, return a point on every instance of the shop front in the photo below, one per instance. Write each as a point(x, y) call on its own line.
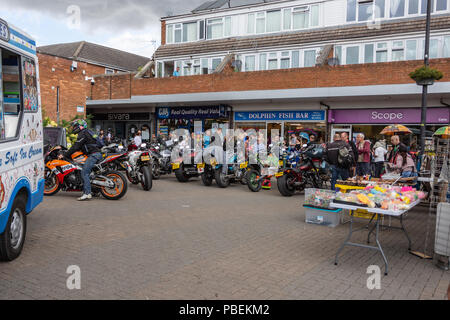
point(287, 122)
point(371, 122)
point(124, 125)
point(190, 118)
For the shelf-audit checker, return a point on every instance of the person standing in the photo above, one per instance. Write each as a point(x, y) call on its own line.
point(138, 139)
point(339, 169)
point(176, 73)
point(396, 145)
point(379, 154)
point(363, 162)
point(403, 163)
point(345, 138)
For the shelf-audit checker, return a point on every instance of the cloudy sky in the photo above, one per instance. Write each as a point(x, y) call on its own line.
point(130, 25)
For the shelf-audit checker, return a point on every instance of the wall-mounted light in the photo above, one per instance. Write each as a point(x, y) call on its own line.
point(74, 66)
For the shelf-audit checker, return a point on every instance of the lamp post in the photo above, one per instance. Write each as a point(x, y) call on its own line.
point(425, 86)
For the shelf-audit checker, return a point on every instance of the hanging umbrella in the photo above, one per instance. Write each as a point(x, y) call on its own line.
point(444, 132)
point(395, 129)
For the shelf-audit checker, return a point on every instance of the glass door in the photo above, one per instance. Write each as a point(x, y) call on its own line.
point(340, 129)
point(274, 126)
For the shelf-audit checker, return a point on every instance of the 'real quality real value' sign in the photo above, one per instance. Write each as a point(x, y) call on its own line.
point(303, 115)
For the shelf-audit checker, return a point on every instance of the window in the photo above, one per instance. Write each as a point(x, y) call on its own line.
point(365, 11)
point(249, 63)
point(178, 28)
point(310, 58)
point(295, 59)
point(261, 22)
point(214, 29)
point(205, 66)
point(397, 8)
point(10, 88)
point(227, 26)
point(338, 54)
point(300, 17)
point(351, 10)
point(434, 46)
point(262, 61)
point(169, 36)
point(368, 53)
point(352, 55)
point(251, 23)
point(379, 8)
point(201, 29)
point(381, 55)
point(413, 7)
point(190, 32)
point(424, 6)
point(109, 71)
point(314, 16)
point(273, 61)
point(287, 19)
point(285, 62)
point(446, 53)
point(441, 5)
point(411, 50)
point(215, 63)
point(197, 70)
point(273, 21)
point(398, 51)
point(187, 65)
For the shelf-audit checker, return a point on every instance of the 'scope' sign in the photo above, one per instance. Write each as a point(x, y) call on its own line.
point(387, 116)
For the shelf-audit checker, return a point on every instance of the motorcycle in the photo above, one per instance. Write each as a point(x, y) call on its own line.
point(185, 171)
point(139, 167)
point(161, 158)
point(234, 172)
point(66, 175)
point(299, 171)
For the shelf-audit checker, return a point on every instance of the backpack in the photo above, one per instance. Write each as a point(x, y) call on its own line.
point(345, 157)
point(99, 142)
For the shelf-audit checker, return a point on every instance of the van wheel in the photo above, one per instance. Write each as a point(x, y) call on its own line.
point(13, 238)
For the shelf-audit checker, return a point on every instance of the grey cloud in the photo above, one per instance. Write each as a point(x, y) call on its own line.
point(109, 14)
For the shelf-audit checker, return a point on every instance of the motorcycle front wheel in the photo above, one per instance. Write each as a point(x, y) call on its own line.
point(146, 179)
point(52, 185)
point(254, 182)
point(284, 187)
point(221, 179)
point(120, 186)
point(156, 172)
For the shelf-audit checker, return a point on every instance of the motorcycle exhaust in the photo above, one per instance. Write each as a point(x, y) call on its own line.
point(107, 183)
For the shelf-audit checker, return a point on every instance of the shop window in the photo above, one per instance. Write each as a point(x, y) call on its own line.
point(310, 58)
point(411, 49)
point(251, 23)
point(10, 102)
point(260, 22)
point(446, 53)
point(296, 59)
point(368, 53)
point(287, 19)
point(398, 51)
point(381, 54)
point(352, 55)
point(189, 32)
point(249, 63)
point(397, 8)
point(145, 132)
point(214, 29)
point(263, 61)
point(273, 21)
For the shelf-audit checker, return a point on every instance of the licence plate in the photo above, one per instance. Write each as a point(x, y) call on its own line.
point(279, 174)
point(281, 163)
point(175, 166)
point(244, 165)
point(201, 165)
point(145, 158)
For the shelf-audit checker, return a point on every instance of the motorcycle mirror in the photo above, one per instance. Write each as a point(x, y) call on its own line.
point(144, 145)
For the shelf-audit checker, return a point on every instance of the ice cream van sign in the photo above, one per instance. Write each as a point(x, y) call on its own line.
point(13, 158)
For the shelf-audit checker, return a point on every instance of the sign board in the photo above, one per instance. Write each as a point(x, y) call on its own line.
point(4, 31)
point(80, 109)
point(122, 116)
point(301, 115)
point(213, 112)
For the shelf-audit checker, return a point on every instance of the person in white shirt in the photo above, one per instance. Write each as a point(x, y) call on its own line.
point(138, 139)
point(379, 154)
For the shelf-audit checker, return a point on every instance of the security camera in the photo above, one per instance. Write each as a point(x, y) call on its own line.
point(92, 81)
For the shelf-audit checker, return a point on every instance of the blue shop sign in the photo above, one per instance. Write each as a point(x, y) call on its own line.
point(213, 112)
point(314, 115)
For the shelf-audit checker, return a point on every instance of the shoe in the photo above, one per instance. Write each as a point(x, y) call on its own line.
point(85, 197)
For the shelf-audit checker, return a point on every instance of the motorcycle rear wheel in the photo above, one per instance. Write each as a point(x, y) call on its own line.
point(156, 173)
point(221, 180)
point(181, 175)
point(254, 182)
point(207, 179)
point(120, 188)
point(147, 182)
point(284, 188)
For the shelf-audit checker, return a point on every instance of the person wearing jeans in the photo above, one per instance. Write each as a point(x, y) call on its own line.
point(91, 161)
point(379, 152)
point(363, 164)
point(332, 157)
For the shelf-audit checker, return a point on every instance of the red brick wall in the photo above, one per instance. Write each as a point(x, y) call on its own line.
point(73, 87)
point(325, 76)
point(163, 33)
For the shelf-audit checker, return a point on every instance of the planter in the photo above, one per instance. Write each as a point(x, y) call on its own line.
point(425, 82)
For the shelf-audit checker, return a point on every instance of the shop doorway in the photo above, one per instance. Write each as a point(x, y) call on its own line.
point(274, 126)
point(120, 130)
point(340, 129)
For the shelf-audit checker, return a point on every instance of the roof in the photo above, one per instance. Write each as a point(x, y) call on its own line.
point(300, 37)
point(223, 4)
point(96, 54)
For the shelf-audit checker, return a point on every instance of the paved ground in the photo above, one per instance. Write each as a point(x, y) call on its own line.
point(187, 241)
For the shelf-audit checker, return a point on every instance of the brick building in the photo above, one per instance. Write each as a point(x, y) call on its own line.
point(317, 66)
point(71, 67)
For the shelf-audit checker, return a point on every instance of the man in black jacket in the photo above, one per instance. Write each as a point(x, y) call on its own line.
point(87, 144)
point(332, 155)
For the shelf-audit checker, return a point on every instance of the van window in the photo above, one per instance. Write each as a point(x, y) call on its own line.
point(10, 101)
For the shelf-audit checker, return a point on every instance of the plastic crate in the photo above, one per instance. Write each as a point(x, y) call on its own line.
point(319, 198)
point(323, 217)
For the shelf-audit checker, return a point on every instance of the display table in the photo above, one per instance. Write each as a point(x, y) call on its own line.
point(376, 227)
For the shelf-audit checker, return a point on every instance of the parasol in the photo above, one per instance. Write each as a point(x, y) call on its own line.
point(395, 130)
point(444, 132)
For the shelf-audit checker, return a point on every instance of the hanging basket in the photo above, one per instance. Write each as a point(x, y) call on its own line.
point(425, 82)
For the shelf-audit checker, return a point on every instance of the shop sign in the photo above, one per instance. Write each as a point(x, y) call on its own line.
point(4, 31)
point(388, 116)
point(192, 112)
point(122, 116)
point(303, 115)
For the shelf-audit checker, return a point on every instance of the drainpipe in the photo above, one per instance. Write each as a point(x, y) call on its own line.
point(327, 108)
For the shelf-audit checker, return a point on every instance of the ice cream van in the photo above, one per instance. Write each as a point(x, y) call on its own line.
point(21, 138)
